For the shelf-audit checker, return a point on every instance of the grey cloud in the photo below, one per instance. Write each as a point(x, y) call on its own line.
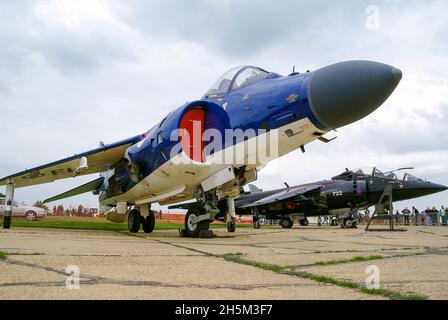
point(236, 28)
point(419, 131)
point(27, 41)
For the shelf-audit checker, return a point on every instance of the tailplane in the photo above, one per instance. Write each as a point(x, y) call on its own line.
point(89, 186)
point(254, 189)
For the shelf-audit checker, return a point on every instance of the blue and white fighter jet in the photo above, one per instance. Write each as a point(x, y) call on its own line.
point(190, 154)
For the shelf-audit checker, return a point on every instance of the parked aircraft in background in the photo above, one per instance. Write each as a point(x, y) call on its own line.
point(350, 190)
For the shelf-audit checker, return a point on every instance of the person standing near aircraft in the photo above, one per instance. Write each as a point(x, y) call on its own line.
point(416, 214)
point(428, 216)
point(423, 215)
point(441, 214)
point(444, 213)
point(406, 214)
point(434, 216)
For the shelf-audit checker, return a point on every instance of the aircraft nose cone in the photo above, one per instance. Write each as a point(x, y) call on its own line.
point(346, 92)
point(438, 187)
point(430, 188)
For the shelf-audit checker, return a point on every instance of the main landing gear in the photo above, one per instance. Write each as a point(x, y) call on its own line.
point(286, 222)
point(350, 221)
point(143, 217)
point(199, 215)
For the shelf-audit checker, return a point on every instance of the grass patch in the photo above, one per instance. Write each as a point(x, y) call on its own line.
point(354, 259)
point(2, 255)
point(70, 223)
point(84, 223)
point(353, 285)
point(417, 296)
point(237, 258)
point(25, 254)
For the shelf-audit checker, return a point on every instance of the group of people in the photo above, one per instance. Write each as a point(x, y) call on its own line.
point(428, 217)
point(80, 211)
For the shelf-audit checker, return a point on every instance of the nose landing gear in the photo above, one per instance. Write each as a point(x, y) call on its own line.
point(193, 227)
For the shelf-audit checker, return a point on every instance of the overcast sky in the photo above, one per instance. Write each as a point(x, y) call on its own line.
point(73, 73)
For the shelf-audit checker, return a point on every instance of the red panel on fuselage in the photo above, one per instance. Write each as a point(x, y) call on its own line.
point(191, 129)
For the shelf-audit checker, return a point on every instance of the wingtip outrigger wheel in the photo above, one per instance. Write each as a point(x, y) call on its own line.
point(6, 222)
point(231, 226)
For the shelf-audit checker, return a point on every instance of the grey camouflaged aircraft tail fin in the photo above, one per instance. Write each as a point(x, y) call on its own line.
point(254, 189)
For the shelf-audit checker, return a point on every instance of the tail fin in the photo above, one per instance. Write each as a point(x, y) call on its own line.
point(89, 186)
point(254, 189)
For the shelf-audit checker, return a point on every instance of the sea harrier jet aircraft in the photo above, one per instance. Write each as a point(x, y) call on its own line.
point(350, 190)
point(178, 158)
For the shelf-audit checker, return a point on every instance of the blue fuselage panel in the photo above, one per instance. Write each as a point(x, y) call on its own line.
point(267, 104)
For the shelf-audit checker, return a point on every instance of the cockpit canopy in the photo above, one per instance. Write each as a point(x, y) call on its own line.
point(236, 78)
point(386, 174)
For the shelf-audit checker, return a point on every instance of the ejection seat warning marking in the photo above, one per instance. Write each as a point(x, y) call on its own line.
point(224, 309)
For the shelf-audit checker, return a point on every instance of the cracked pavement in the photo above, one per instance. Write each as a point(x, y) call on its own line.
point(161, 265)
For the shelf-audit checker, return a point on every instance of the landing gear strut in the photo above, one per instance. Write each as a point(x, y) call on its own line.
point(199, 216)
point(231, 216)
point(256, 218)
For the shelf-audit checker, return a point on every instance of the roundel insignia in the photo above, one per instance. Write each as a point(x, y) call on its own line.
point(292, 98)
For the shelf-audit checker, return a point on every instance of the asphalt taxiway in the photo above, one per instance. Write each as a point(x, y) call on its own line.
point(271, 263)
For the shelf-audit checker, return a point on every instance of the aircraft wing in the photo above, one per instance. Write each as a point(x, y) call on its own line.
point(97, 160)
point(283, 195)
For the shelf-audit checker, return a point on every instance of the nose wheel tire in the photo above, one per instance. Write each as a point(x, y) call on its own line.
point(286, 223)
point(149, 222)
point(257, 225)
point(193, 229)
point(304, 222)
point(134, 219)
point(30, 216)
